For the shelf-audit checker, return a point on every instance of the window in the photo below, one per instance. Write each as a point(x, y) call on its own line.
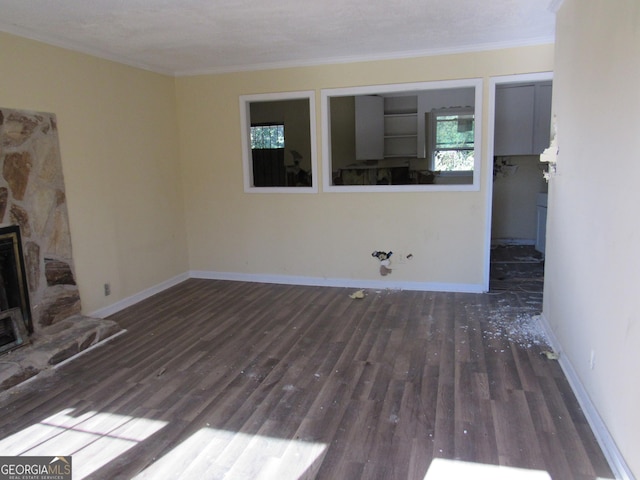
point(278, 142)
point(267, 155)
point(452, 135)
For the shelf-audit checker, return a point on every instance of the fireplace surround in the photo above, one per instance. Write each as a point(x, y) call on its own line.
point(33, 203)
point(38, 285)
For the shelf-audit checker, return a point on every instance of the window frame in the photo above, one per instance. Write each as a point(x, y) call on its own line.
point(327, 94)
point(245, 131)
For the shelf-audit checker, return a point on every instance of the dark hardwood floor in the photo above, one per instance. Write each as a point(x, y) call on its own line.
point(518, 268)
point(217, 379)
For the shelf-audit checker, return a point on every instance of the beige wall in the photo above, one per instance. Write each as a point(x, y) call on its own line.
point(119, 147)
point(593, 261)
point(343, 131)
point(329, 235)
point(126, 187)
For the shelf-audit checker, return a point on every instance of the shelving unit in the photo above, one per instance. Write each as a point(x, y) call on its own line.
point(386, 127)
point(400, 135)
point(401, 126)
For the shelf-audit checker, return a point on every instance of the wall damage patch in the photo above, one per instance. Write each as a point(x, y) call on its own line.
point(385, 261)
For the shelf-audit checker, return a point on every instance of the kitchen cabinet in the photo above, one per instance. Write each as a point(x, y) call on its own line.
point(369, 127)
point(522, 118)
point(542, 118)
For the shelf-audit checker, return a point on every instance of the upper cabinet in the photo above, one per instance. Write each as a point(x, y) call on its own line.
point(542, 118)
point(523, 118)
point(369, 127)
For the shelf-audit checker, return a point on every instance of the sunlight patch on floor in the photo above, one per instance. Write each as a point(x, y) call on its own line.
point(444, 469)
point(211, 453)
point(93, 439)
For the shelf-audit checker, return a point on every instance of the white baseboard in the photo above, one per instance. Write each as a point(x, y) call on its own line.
point(132, 300)
point(285, 280)
point(338, 282)
point(605, 440)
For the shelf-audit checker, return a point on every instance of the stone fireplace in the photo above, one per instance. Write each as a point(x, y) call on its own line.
point(33, 203)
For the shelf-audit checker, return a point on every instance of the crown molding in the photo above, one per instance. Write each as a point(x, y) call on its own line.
point(546, 40)
point(75, 47)
point(123, 60)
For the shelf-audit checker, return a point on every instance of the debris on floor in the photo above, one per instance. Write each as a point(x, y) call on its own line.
point(357, 295)
point(551, 355)
point(523, 329)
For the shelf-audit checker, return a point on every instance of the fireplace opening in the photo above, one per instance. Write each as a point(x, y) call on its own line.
point(15, 311)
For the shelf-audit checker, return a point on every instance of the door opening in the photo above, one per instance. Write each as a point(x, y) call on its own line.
point(521, 120)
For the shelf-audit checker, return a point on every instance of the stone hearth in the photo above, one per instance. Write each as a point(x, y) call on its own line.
point(32, 196)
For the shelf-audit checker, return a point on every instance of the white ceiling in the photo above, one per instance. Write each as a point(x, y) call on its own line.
point(183, 37)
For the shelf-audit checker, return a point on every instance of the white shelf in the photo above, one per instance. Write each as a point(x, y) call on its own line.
point(386, 127)
point(401, 126)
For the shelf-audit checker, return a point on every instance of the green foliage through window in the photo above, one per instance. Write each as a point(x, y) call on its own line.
point(267, 136)
point(454, 142)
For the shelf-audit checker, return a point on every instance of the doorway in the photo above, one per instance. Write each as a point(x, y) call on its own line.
point(520, 124)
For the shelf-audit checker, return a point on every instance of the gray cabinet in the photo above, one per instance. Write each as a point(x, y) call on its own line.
point(542, 118)
point(522, 118)
point(369, 127)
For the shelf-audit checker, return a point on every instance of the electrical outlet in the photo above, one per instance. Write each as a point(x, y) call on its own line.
point(592, 359)
point(107, 289)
